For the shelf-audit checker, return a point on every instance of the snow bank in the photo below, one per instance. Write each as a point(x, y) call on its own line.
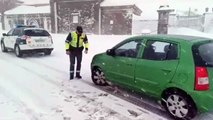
point(187, 31)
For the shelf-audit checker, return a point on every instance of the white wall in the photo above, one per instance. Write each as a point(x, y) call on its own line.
point(208, 22)
point(140, 25)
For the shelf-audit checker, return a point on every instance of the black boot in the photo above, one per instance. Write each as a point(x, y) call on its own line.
point(78, 76)
point(71, 76)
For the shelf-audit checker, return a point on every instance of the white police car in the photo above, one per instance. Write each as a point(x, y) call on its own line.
point(27, 39)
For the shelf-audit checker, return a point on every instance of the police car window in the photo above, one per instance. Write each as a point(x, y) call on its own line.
point(10, 32)
point(36, 32)
point(129, 49)
point(17, 32)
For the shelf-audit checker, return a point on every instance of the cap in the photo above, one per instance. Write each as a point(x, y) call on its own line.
point(79, 29)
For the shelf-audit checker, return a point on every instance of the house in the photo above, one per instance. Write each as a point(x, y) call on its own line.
point(28, 15)
point(95, 16)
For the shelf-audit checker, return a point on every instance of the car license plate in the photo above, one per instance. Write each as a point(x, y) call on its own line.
point(39, 40)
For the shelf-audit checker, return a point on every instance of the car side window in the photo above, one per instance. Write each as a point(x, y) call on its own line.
point(129, 49)
point(157, 50)
point(10, 32)
point(17, 32)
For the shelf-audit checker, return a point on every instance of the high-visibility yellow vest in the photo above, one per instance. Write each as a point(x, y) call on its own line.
point(74, 41)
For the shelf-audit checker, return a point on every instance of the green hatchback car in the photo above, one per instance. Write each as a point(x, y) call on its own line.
point(176, 69)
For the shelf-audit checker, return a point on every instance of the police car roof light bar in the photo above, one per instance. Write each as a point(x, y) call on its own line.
point(19, 26)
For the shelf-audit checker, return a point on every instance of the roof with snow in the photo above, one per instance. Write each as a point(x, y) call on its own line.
point(28, 10)
point(122, 4)
point(107, 3)
point(32, 2)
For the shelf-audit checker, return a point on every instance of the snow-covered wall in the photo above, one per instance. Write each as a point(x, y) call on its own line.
point(194, 22)
point(208, 22)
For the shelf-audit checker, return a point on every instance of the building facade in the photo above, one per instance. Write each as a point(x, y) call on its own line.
point(28, 15)
point(93, 15)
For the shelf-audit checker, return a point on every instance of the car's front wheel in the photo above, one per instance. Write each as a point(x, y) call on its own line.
point(98, 77)
point(3, 48)
point(180, 105)
point(17, 50)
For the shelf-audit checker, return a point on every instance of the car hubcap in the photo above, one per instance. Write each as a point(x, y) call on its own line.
point(17, 50)
point(177, 106)
point(99, 77)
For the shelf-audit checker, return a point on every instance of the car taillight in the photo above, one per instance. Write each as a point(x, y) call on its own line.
point(202, 79)
point(25, 37)
point(50, 38)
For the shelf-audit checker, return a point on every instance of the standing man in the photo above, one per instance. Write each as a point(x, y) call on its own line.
point(74, 47)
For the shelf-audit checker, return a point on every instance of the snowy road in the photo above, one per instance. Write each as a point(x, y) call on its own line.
point(34, 91)
point(37, 88)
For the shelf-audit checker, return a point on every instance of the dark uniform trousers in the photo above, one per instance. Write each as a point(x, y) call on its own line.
point(73, 56)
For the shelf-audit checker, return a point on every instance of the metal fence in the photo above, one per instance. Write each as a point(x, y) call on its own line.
point(193, 22)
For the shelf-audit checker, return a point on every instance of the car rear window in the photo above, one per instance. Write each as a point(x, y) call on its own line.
point(36, 32)
point(203, 54)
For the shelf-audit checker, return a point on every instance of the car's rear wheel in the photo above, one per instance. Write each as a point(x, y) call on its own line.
point(47, 52)
point(17, 50)
point(98, 77)
point(179, 105)
point(3, 48)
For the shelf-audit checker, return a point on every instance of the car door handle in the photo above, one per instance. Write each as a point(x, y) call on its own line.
point(166, 70)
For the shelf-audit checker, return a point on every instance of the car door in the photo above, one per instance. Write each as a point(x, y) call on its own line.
point(14, 36)
point(121, 66)
point(7, 38)
point(157, 66)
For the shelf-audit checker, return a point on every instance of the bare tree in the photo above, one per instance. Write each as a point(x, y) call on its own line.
point(7, 5)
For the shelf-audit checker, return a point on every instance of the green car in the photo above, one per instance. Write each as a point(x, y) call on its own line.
point(176, 69)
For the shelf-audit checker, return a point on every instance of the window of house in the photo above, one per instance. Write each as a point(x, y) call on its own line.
point(157, 50)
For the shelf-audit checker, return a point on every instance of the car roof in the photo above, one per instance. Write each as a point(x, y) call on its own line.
point(20, 26)
point(175, 38)
point(34, 29)
point(28, 27)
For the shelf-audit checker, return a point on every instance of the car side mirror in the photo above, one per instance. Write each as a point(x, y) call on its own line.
point(110, 52)
point(4, 34)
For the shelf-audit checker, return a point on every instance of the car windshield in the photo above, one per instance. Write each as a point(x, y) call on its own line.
point(36, 32)
point(203, 54)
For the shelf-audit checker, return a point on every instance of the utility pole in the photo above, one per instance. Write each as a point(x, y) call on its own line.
point(189, 13)
point(2, 15)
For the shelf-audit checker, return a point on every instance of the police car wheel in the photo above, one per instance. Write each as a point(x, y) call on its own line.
point(47, 52)
point(18, 51)
point(3, 48)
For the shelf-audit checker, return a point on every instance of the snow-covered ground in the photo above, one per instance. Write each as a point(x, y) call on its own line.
point(37, 87)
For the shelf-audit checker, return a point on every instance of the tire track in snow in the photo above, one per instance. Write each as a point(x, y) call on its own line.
point(135, 99)
point(142, 101)
point(32, 115)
